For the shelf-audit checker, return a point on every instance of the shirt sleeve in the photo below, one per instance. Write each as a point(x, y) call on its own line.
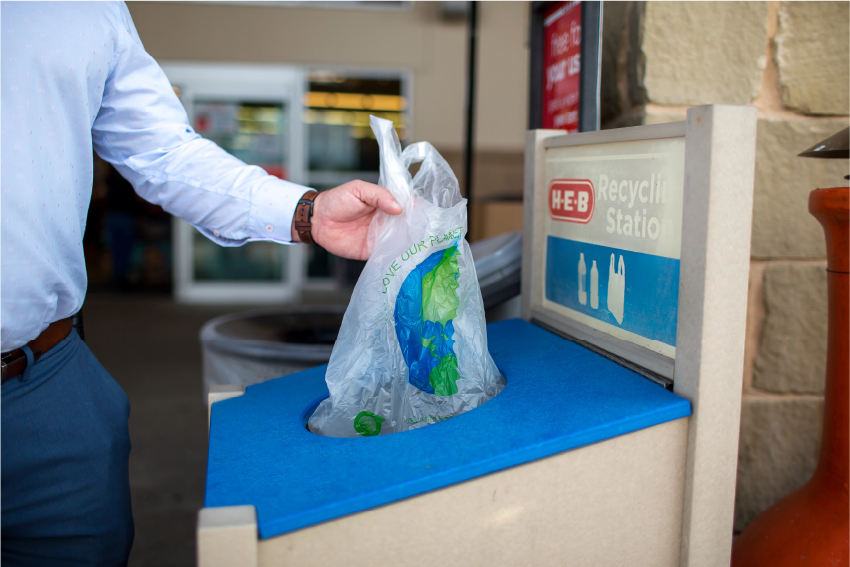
point(142, 129)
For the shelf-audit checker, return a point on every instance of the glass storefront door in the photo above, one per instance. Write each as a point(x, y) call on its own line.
point(248, 111)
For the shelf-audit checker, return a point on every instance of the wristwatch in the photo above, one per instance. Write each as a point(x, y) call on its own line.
point(304, 217)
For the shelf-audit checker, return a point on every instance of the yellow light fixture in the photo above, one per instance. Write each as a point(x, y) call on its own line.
point(356, 101)
point(349, 117)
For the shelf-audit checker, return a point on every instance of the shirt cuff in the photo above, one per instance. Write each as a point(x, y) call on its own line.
point(272, 210)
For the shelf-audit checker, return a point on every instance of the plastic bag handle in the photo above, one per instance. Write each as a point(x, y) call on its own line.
point(395, 175)
point(414, 153)
point(621, 268)
point(435, 181)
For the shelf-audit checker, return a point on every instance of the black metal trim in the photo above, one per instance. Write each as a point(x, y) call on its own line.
point(469, 134)
point(591, 49)
point(535, 65)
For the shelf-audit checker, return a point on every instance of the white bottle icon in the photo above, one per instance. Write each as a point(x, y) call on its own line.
point(594, 286)
point(582, 288)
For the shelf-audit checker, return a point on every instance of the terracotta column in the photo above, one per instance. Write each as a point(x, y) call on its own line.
point(810, 526)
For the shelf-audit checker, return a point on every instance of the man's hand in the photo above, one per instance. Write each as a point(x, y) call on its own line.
point(341, 217)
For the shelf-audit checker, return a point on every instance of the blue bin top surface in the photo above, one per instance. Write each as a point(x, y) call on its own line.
point(559, 396)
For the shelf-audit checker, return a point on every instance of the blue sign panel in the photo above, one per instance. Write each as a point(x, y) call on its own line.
point(636, 292)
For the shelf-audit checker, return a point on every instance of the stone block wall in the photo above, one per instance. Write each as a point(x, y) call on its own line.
point(790, 60)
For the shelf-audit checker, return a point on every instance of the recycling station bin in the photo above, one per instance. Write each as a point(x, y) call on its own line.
point(614, 441)
point(254, 346)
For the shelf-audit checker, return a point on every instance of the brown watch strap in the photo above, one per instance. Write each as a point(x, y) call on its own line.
point(304, 217)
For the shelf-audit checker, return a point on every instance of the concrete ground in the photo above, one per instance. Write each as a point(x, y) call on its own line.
point(150, 346)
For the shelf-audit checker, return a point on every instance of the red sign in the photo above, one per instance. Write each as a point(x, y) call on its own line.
point(561, 66)
point(571, 200)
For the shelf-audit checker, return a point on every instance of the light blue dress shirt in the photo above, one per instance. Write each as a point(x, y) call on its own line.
point(75, 76)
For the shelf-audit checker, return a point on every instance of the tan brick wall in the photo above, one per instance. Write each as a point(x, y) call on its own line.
point(790, 60)
point(812, 79)
point(689, 58)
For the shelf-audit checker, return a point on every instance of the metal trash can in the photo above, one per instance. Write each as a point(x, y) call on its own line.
point(254, 346)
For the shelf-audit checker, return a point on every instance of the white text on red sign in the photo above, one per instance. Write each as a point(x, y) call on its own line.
point(571, 200)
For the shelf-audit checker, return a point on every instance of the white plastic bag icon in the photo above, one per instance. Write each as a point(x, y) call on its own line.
point(412, 348)
point(616, 289)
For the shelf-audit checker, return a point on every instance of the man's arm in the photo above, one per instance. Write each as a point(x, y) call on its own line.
point(142, 129)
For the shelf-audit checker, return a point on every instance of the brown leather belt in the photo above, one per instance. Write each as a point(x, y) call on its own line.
point(15, 362)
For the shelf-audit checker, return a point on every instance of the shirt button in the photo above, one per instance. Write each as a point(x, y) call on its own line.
point(269, 228)
point(217, 233)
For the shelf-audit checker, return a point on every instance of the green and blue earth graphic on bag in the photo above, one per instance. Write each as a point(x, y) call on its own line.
point(425, 308)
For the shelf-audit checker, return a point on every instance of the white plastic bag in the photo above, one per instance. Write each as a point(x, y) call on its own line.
point(617, 289)
point(412, 349)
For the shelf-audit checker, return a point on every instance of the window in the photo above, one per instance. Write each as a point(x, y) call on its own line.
point(337, 106)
